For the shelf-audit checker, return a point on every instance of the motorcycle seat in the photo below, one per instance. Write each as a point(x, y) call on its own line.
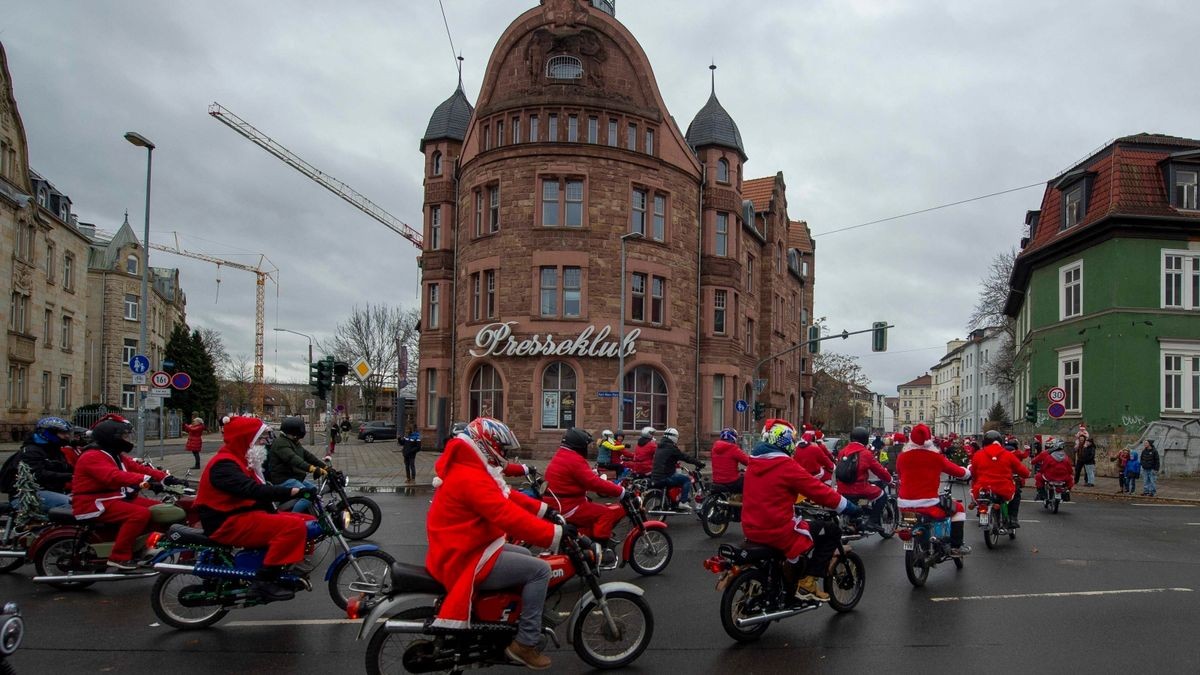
point(182, 534)
point(62, 514)
point(751, 552)
point(415, 579)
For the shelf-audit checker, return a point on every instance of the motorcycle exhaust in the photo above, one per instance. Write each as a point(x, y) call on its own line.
point(773, 616)
point(401, 626)
point(103, 576)
point(171, 567)
point(12, 554)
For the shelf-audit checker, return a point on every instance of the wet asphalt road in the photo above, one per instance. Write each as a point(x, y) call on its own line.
point(1093, 547)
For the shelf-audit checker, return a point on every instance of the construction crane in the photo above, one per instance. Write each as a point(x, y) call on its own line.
point(337, 187)
point(256, 394)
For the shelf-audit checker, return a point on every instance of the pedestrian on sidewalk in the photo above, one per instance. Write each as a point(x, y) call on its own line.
point(1088, 459)
point(412, 445)
point(1133, 469)
point(195, 439)
point(1121, 459)
point(1150, 465)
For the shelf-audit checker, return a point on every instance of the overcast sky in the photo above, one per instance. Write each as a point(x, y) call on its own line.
point(870, 108)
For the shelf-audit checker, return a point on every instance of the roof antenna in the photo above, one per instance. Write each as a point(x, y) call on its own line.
point(712, 69)
point(460, 64)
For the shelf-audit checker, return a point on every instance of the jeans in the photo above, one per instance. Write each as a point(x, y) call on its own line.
point(1131, 483)
point(1151, 477)
point(410, 465)
point(680, 481)
point(49, 500)
point(516, 566)
point(301, 504)
point(1089, 472)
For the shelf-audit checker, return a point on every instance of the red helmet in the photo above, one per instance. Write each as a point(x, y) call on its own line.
point(493, 436)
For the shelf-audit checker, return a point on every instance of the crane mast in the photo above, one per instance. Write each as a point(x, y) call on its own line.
point(337, 187)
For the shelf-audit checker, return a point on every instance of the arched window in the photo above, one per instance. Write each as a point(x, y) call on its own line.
point(131, 264)
point(648, 389)
point(564, 68)
point(437, 164)
point(722, 171)
point(487, 393)
point(558, 396)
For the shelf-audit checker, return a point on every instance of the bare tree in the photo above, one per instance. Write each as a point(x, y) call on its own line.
point(989, 313)
point(837, 379)
point(951, 413)
point(374, 333)
point(235, 384)
point(214, 344)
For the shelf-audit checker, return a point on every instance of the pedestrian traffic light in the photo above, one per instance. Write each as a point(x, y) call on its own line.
point(340, 368)
point(814, 337)
point(879, 336)
point(1031, 411)
point(759, 410)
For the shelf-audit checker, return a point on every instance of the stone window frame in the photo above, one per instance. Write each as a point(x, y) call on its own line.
point(435, 227)
point(484, 278)
point(717, 411)
point(64, 392)
point(572, 128)
point(433, 306)
point(562, 178)
point(559, 261)
point(132, 310)
point(495, 390)
point(431, 398)
point(435, 163)
point(652, 192)
point(47, 392)
point(69, 272)
point(593, 129)
point(51, 257)
point(66, 333)
point(720, 309)
point(723, 163)
point(650, 272)
point(564, 67)
point(487, 196)
point(720, 239)
point(47, 330)
point(652, 394)
point(559, 389)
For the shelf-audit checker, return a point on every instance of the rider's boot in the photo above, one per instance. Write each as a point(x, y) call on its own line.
point(608, 557)
point(527, 656)
point(876, 519)
point(267, 587)
point(1014, 507)
point(809, 589)
point(957, 548)
point(122, 566)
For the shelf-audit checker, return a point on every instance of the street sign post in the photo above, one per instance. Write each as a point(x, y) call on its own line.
point(1056, 410)
point(310, 403)
point(160, 379)
point(181, 381)
point(139, 364)
point(608, 394)
point(741, 406)
point(160, 392)
point(362, 369)
point(168, 364)
point(1056, 394)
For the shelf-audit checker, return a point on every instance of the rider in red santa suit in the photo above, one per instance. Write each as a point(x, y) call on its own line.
point(920, 468)
point(643, 455)
point(727, 457)
point(472, 512)
point(993, 467)
point(773, 481)
point(236, 506)
point(1053, 464)
point(868, 465)
point(814, 457)
point(569, 478)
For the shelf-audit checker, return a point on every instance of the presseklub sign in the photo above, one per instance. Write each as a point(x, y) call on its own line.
point(497, 339)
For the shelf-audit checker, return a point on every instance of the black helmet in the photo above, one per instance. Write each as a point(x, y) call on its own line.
point(859, 435)
point(292, 426)
point(113, 436)
point(992, 436)
point(577, 439)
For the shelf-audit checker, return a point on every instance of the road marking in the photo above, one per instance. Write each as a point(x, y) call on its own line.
point(292, 622)
point(1193, 523)
point(1178, 506)
point(1062, 595)
point(1030, 521)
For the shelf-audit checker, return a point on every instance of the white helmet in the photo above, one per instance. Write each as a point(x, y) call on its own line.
point(607, 434)
point(648, 432)
point(671, 433)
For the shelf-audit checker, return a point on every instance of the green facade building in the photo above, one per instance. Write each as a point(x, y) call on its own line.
point(1106, 289)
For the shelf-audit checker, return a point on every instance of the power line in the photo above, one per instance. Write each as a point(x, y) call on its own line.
point(932, 208)
point(453, 52)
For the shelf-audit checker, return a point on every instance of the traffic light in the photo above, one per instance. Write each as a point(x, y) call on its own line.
point(814, 336)
point(314, 379)
point(340, 368)
point(759, 410)
point(1031, 411)
point(879, 336)
point(324, 377)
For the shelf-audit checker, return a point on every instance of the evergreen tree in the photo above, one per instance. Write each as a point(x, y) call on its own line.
point(179, 350)
point(205, 387)
point(188, 352)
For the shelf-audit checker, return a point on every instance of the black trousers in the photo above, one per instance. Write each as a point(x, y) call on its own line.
point(825, 541)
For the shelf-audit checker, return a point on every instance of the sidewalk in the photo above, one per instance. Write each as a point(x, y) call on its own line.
point(1170, 490)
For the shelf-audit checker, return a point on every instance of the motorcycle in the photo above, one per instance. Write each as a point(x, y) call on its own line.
point(658, 500)
point(207, 579)
point(755, 592)
point(12, 630)
point(365, 514)
point(859, 527)
point(993, 518)
point(610, 624)
point(1054, 493)
point(926, 544)
point(720, 508)
point(73, 554)
point(17, 535)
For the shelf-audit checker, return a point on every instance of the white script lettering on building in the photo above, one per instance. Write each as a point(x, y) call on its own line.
point(496, 339)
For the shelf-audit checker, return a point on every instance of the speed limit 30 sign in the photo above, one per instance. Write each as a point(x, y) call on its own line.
point(1057, 394)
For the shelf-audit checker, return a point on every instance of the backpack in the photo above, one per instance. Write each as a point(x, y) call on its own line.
point(8, 471)
point(847, 468)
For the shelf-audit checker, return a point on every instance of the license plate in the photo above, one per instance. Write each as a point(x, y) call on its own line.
point(908, 545)
point(983, 520)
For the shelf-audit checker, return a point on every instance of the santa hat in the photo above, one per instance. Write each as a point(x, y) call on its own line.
point(920, 434)
point(899, 439)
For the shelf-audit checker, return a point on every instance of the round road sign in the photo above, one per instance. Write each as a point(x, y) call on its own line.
point(160, 379)
point(1057, 394)
point(181, 381)
point(1056, 410)
point(741, 406)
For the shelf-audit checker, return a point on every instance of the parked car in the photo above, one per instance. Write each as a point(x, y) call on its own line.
point(377, 430)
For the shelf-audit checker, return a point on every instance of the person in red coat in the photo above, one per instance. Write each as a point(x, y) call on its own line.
point(993, 468)
point(472, 512)
point(919, 469)
point(1053, 465)
point(106, 484)
point(813, 457)
point(195, 439)
point(727, 457)
point(643, 455)
point(569, 478)
point(236, 506)
point(773, 482)
point(868, 465)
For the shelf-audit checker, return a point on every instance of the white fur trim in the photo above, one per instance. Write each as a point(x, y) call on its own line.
point(543, 509)
point(917, 503)
point(436, 482)
point(557, 540)
point(842, 504)
point(958, 517)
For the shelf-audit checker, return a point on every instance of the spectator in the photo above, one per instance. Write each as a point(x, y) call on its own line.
point(1087, 459)
point(1133, 469)
point(412, 445)
point(1121, 459)
point(195, 437)
point(1150, 465)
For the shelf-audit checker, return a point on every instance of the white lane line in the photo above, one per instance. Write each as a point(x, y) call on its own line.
point(293, 622)
point(1193, 523)
point(1062, 595)
point(1178, 506)
point(1030, 521)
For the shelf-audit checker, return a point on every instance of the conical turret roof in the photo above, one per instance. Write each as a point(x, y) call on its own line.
point(713, 126)
point(450, 119)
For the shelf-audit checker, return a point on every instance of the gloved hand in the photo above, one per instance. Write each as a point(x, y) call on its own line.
point(317, 471)
point(307, 493)
point(700, 466)
point(530, 471)
point(852, 510)
point(570, 531)
point(551, 515)
point(172, 480)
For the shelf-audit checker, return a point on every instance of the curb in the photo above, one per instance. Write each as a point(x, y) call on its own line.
point(382, 489)
point(1101, 497)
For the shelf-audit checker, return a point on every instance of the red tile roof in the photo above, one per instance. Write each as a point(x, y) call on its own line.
point(800, 236)
point(922, 381)
point(759, 191)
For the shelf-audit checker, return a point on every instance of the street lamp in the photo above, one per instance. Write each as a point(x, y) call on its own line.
point(313, 437)
point(621, 345)
point(143, 142)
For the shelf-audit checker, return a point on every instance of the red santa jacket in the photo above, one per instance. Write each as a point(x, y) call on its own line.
point(195, 439)
point(1055, 466)
point(239, 434)
point(920, 469)
point(815, 459)
point(993, 467)
point(867, 465)
point(773, 481)
point(472, 511)
point(569, 478)
point(726, 458)
point(643, 457)
point(101, 477)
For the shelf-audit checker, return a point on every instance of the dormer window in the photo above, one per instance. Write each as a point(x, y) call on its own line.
point(1184, 194)
point(1073, 207)
point(1074, 187)
point(564, 67)
point(722, 171)
point(131, 264)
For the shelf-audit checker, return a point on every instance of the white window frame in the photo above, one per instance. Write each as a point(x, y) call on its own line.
point(1188, 353)
point(1184, 195)
point(431, 397)
point(1063, 309)
point(1067, 355)
point(718, 403)
point(1188, 274)
point(128, 396)
point(132, 309)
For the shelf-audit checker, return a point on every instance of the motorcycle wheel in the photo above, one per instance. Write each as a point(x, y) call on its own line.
point(709, 506)
point(385, 651)
point(991, 533)
point(9, 564)
point(377, 568)
point(846, 581)
point(888, 520)
point(655, 500)
point(55, 559)
point(915, 568)
point(164, 599)
point(747, 588)
point(365, 516)
point(595, 643)
point(650, 552)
